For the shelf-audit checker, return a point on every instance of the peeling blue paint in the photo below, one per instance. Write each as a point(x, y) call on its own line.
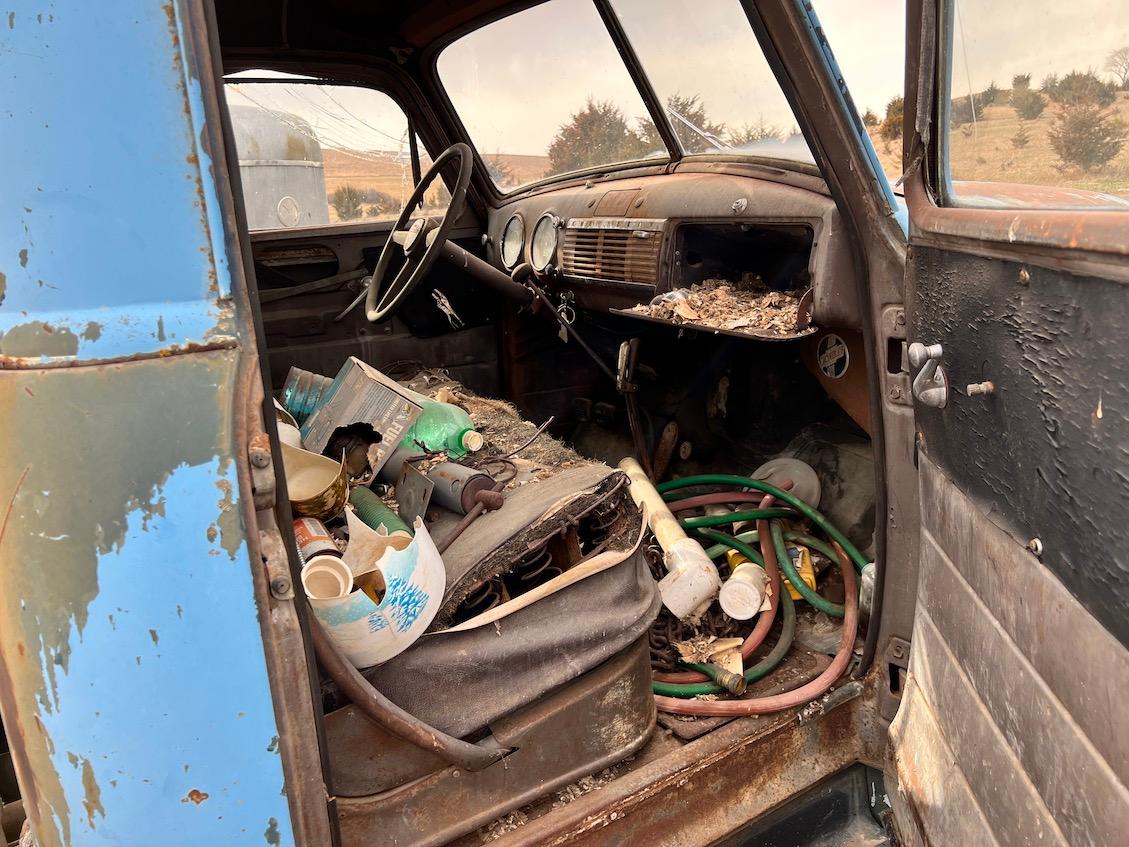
point(112, 215)
point(132, 664)
point(140, 725)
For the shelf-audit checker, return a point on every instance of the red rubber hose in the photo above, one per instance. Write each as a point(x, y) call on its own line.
point(798, 696)
point(764, 622)
point(719, 498)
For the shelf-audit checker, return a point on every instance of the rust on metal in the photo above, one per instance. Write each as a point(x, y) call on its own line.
point(195, 796)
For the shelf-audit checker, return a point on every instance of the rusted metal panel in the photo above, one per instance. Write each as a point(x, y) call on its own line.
point(1056, 230)
point(703, 791)
point(1018, 585)
point(1012, 694)
point(133, 670)
point(932, 801)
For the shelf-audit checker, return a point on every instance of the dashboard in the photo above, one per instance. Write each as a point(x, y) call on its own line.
point(621, 242)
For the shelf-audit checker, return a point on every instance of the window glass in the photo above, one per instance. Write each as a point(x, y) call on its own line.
point(706, 66)
point(871, 52)
point(1038, 106)
point(544, 92)
point(315, 153)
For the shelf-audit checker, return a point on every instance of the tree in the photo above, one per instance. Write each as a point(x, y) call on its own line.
point(500, 172)
point(752, 133)
point(1028, 104)
point(869, 118)
point(684, 109)
point(348, 202)
point(1086, 136)
point(1049, 84)
point(596, 135)
point(1084, 87)
point(1117, 63)
point(988, 95)
point(892, 124)
point(1021, 138)
point(1020, 81)
point(966, 110)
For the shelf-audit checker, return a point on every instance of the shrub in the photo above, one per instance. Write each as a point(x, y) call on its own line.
point(1078, 88)
point(381, 201)
point(1086, 136)
point(1021, 138)
point(1020, 82)
point(965, 110)
point(892, 124)
point(869, 118)
point(1028, 104)
point(1049, 84)
point(347, 201)
point(595, 135)
point(990, 94)
point(750, 133)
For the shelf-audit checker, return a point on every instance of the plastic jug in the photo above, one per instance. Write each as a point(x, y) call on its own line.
point(442, 426)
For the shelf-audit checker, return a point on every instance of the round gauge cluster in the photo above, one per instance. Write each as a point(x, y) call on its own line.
point(513, 241)
point(542, 244)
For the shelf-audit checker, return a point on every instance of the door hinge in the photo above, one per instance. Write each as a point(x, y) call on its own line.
point(262, 472)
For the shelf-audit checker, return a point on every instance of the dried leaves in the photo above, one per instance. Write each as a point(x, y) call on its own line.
point(721, 304)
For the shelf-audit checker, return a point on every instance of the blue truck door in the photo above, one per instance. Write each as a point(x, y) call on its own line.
point(153, 683)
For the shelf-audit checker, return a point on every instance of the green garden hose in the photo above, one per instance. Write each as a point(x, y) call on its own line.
point(859, 560)
point(736, 517)
point(729, 542)
point(797, 537)
point(789, 569)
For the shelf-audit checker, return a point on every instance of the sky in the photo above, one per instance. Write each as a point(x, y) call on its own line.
point(517, 80)
point(703, 47)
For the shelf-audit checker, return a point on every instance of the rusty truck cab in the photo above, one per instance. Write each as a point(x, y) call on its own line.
point(568, 422)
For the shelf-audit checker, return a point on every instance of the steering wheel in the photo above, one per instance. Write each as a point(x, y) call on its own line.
point(421, 242)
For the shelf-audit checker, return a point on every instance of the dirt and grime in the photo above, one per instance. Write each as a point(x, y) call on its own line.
point(503, 427)
point(747, 305)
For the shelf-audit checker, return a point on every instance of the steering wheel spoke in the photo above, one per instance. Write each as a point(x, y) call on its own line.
point(421, 240)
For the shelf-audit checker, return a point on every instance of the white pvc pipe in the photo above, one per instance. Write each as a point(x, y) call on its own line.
point(691, 581)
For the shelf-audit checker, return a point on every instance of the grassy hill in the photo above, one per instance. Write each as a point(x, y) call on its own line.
point(392, 175)
point(985, 151)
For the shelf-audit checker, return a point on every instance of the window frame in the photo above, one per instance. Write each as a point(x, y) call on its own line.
point(341, 76)
point(1078, 239)
point(942, 183)
point(655, 164)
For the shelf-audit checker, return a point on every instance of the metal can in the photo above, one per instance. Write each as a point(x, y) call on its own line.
point(313, 539)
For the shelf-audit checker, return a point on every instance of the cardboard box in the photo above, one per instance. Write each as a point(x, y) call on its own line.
point(362, 394)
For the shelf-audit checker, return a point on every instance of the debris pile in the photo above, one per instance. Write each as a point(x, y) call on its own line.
point(747, 305)
point(373, 466)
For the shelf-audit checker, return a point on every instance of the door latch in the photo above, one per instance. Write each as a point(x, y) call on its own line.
point(931, 385)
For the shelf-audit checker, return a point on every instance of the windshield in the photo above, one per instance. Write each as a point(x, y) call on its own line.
point(707, 68)
point(544, 92)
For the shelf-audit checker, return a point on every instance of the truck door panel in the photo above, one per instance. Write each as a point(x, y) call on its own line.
point(1010, 730)
point(140, 657)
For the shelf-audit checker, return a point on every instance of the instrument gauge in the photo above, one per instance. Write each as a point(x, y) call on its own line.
point(513, 241)
point(543, 247)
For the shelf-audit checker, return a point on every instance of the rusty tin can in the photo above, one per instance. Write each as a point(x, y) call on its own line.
point(313, 539)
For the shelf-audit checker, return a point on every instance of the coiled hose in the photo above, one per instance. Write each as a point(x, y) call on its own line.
point(860, 561)
point(671, 689)
point(762, 626)
point(798, 696)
